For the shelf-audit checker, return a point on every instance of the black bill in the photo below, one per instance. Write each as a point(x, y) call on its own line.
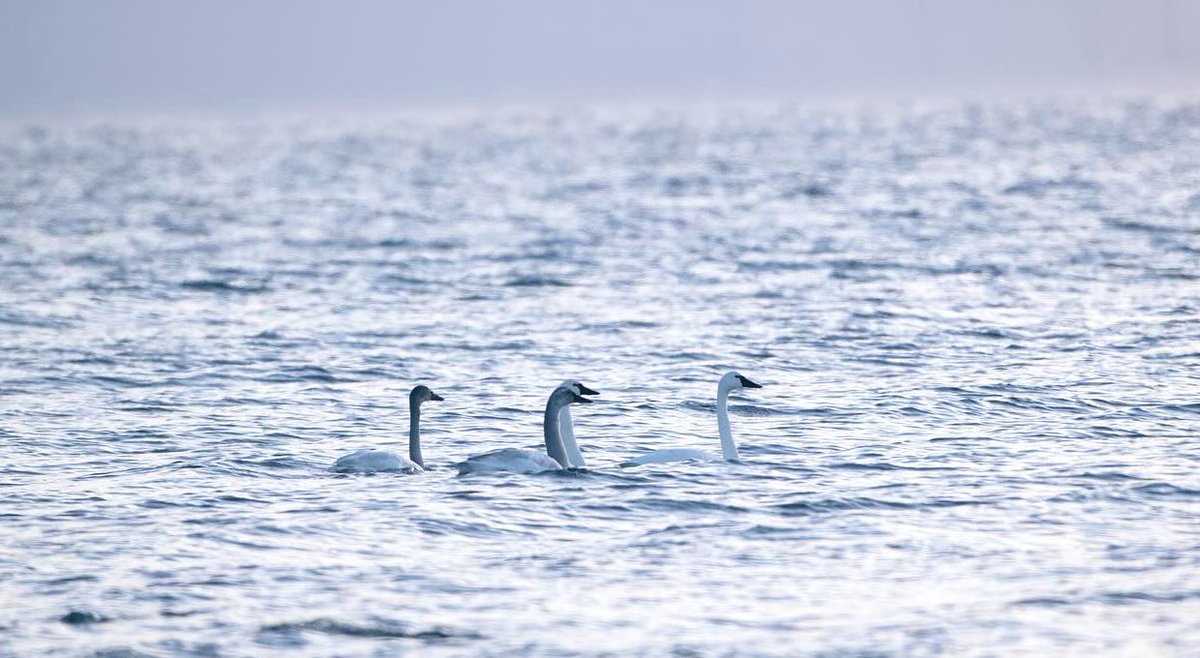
point(746, 383)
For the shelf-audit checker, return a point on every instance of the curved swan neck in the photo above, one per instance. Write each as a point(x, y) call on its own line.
point(567, 427)
point(729, 450)
point(414, 433)
point(553, 437)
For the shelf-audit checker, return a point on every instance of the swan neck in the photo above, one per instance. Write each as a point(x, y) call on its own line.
point(566, 427)
point(729, 449)
point(414, 433)
point(553, 437)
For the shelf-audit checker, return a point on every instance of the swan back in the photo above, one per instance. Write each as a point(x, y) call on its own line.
point(672, 455)
point(509, 460)
point(374, 461)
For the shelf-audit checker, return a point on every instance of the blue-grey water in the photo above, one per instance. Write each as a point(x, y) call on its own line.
point(977, 327)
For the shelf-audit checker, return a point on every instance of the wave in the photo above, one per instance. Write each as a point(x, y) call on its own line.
point(377, 629)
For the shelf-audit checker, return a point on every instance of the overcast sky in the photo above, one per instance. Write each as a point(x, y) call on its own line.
point(152, 55)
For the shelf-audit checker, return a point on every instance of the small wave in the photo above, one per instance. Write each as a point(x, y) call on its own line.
point(1165, 490)
point(537, 282)
point(806, 190)
point(119, 382)
point(1144, 227)
point(773, 532)
point(284, 462)
point(621, 325)
point(804, 507)
point(1042, 602)
point(1111, 598)
point(71, 579)
point(152, 408)
point(403, 279)
point(395, 243)
point(478, 297)
point(1115, 432)
point(379, 629)
point(885, 466)
point(26, 320)
point(82, 618)
point(1039, 187)
point(431, 526)
point(120, 652)
point(755, 410)
point(691, 505)
point(988, 332)
point(1187, 407)
point(778, 265)
point(300, 374)
point(1106, 476)
point(218, 285)
point(1121, 598)
point(1176, 274)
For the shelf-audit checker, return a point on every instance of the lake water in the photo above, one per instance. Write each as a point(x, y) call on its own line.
point(977, 327)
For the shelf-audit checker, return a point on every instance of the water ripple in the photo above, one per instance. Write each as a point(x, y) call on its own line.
point(975, 324)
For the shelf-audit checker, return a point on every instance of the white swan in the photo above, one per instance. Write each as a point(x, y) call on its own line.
point(729, 452)
point(566, 425)
point(377, 461)
point(518, 460)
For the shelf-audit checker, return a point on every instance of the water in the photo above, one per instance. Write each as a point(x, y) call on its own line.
point(977, 326)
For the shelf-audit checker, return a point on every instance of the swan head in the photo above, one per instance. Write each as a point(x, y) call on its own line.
point(562, 396)
point(733, 380)
point(577, 387)
point(423, 393)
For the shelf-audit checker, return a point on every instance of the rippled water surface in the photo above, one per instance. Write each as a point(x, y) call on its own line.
point(977, 327)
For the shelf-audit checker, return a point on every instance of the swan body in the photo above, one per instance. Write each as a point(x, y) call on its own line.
point(518, 460)
point(566, 425)
point(511, 460)
point(384, 461)
point(730, 381)
point(375, 461)
point(673, 455)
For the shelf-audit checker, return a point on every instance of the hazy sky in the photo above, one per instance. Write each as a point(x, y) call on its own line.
point(148, 55)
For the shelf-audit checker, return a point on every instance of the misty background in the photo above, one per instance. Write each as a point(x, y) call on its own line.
point(66, 56)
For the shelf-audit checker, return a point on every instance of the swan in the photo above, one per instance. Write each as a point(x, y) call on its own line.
point(518, 460)
point(729, 381)
point(376, 461)
point(567, 427)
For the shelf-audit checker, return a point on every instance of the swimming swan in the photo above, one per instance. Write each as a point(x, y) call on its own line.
point(567, 427)
point(518, 460)
point(376, 461)
point(729, 452)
